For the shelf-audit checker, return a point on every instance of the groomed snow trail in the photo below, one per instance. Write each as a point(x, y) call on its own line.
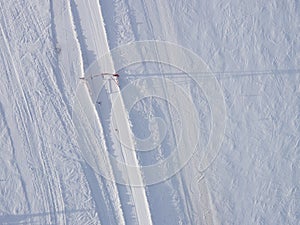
point(93, 30)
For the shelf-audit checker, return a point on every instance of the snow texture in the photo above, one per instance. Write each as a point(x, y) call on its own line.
point(69, 147)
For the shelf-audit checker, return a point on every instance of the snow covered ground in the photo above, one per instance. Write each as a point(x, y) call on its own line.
point(201, 127)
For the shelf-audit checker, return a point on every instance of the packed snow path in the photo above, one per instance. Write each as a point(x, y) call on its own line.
point(92, 28)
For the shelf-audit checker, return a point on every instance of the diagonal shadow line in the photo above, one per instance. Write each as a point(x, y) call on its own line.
point(21, 218)
point(223, 74)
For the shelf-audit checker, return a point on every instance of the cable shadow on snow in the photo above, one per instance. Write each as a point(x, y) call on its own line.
point(29, 218)
point(222, 74)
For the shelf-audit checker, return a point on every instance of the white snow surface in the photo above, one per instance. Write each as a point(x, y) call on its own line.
point(58, 132)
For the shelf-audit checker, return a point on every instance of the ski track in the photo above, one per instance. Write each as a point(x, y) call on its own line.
point(126, 34)
point(130, 208)
point(178, 193)
point(106, 205)
point(35, 96)
point(183, 177)
point(51, 180)
point(18, 107)
point(7, 136)
point(47, 45)
point(140, 202)
point(114, 199)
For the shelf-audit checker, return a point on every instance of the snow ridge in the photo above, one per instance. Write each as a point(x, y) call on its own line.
point(92, 26)
point(111, 200)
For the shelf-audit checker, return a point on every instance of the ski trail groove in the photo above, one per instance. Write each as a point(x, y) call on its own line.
point(183, 186)
point(35, 131)
point(123, 8)
point(98, 42)
point(82, 48)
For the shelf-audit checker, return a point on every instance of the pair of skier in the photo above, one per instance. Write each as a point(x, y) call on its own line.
point(103, 74)
point(115, 75)
point(112, 74)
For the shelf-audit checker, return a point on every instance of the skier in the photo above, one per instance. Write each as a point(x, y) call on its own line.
point(113, 75)
point(116, 78)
